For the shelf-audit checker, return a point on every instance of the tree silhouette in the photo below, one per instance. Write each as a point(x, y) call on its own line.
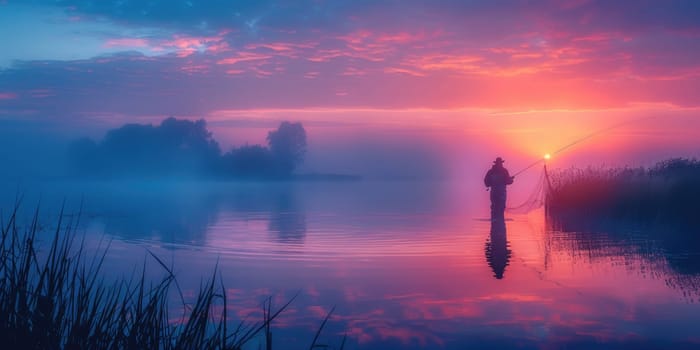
point(249, 161)
point(288, 146)
point(175, 147)
point(179, 147)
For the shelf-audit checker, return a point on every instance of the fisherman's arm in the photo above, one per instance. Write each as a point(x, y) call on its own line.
point(509, 178)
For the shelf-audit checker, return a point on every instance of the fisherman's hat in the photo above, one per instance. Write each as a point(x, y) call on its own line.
point(499, 160)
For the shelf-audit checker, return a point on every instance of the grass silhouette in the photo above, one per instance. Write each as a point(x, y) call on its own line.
point(668, 192)
point(57, 298)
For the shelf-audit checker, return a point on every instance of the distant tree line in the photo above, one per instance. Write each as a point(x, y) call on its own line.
point(185, 148)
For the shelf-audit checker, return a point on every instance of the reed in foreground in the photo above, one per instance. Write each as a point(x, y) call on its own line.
point(55, 298)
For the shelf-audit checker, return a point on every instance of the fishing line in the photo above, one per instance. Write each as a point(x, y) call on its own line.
point(585, 138)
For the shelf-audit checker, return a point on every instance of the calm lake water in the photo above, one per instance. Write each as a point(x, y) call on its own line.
point(407, 265)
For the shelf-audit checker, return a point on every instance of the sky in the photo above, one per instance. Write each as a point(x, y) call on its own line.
point(525, 77)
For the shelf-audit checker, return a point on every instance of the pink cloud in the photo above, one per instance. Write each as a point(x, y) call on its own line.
point(218, 47)
point(185, 46)
point(243, 57)
point(325, 55)
point(518, 56)
point(404, 71)
point(313, 292)
point(317, 311)
point(353, 71)
point(601, 37)
point(402, 38)
point(407, 336)
point(181, 45)
point(365, 37)
point(282, 46)
point(126, 42)
point(7, 96)
point(356, 37)
point(368, 45)
point(453, 62)
point(261, 73)
point(527, 55)
point(191, 68)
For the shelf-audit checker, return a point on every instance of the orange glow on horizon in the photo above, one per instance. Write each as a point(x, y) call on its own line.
point(522, 136)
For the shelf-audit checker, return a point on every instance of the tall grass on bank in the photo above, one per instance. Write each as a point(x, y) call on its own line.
point(668, 192)
point(52, 296)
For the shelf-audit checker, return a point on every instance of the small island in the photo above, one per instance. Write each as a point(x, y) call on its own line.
point(186, 149)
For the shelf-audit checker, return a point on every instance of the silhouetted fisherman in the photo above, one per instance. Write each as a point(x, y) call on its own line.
point(497, 178)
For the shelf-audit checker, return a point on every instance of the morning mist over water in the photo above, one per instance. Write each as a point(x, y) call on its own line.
point(374, 145)
point(349, 175)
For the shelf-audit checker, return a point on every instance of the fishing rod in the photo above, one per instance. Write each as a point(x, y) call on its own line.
point(529, 166)
point(582, 139)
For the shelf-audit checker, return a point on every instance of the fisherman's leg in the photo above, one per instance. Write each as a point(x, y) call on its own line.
point(500, 196)
point(497, 204)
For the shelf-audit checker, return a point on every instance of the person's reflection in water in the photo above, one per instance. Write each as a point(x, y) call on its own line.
point(497, 252)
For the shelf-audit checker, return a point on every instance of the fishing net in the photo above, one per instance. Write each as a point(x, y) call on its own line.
point(537, 197)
